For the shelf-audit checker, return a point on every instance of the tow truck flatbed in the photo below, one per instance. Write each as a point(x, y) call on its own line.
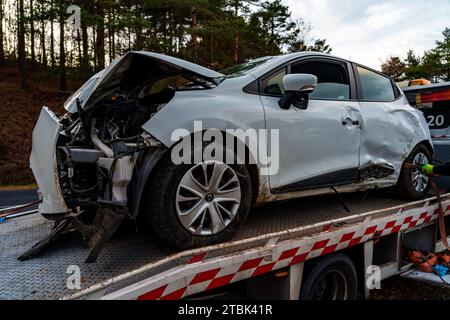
point(133, 266)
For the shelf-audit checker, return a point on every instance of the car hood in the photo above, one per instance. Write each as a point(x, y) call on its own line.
point(105, 81)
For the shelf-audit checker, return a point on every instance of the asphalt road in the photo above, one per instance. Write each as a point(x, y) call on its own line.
point(17, 197)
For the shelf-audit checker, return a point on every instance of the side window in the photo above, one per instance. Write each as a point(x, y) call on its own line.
point(273, 84)
point(333, 79)
point(375, 87)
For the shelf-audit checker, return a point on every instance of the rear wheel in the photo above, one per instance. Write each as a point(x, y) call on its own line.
point(330, 278)
point(413, 185)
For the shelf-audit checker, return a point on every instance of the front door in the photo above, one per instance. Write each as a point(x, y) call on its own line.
point(318, 147)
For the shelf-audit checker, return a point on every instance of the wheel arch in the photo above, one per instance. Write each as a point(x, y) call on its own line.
point(143, 170)
point(428, 145)
point(153, 159)
point(355, 254)
point(313, 271)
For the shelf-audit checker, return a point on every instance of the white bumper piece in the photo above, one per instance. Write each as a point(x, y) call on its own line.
point(43, 162)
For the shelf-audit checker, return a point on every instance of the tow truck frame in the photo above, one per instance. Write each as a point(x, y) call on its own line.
point(267, 258)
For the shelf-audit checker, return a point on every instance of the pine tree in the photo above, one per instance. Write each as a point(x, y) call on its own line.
point(62, 49)
point(395, 68)
point(2, 49)
point(21, 46)
point(443, 50)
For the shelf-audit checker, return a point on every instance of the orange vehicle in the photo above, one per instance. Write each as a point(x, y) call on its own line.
point(418, 82)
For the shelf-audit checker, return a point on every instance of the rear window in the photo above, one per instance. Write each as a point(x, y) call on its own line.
point(375, 87)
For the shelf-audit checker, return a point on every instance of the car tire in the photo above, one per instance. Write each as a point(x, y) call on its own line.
point(333, 277)
point(408, 187)
point(160, 212)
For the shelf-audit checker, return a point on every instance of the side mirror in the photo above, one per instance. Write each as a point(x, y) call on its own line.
point(297, 88)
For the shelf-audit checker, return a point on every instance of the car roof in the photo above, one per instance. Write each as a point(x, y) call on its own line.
point(209, 73)
point(286, 58)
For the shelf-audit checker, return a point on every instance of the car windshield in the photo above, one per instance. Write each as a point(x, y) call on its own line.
point(245, 68)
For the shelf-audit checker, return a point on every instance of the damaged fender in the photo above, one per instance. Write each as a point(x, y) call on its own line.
point(390, 132)
point(216, 110)
point(43, 162)
point(144, 166)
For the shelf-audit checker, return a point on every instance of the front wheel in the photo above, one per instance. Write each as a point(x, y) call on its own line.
point(197, 205)
point(412, 184)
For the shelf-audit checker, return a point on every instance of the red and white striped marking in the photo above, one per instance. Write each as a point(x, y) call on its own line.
point(201, 274)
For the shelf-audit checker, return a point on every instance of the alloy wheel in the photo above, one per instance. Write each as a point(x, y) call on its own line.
point(419, 180)
point(208, 198)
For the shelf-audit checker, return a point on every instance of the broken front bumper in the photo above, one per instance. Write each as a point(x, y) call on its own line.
point(43, 163)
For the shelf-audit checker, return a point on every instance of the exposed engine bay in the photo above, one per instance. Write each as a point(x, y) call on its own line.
point(99, 143)
point(96, 150)
point(98, 146)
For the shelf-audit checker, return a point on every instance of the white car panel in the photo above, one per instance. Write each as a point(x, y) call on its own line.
point(390, 131)
point(43, 162)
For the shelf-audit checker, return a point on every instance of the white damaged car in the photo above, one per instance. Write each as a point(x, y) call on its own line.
point(330, 126)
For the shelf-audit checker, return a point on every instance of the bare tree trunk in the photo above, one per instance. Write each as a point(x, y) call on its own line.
point(100, 43)
point(94, 42)
point(129, 38)
point(32, 33)
point(52, 37)
point(109, 45)
point(193, 35)
point(2, 49)
point(80, 55)
point(110, 36)
point(62, 52)
point(21, 47)
point(85, 44)
point(113, 37)
point(236, 35)
point(44, 52)
point(138, 29)
point(211, 51)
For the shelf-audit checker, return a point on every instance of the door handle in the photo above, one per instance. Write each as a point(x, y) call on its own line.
point(350, 121)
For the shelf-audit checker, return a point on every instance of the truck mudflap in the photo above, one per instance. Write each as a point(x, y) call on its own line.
point(43, 162)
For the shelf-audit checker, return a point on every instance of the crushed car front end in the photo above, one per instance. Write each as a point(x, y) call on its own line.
point(91, 164)
point(43, 162)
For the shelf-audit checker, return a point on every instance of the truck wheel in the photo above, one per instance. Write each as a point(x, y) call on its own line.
point(412, 185)
point(330, 278)
point(197, 205)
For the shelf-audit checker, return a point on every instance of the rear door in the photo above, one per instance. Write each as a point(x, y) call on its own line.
point(384, 120)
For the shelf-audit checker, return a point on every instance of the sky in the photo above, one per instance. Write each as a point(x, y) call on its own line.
point(369, 31)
